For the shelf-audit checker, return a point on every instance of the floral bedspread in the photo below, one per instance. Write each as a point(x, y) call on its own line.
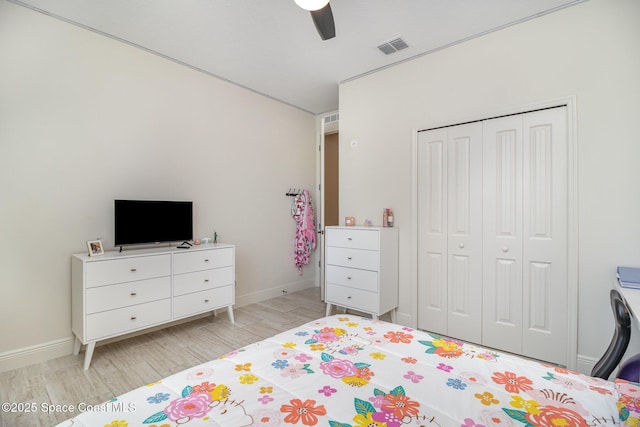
point(348, 371)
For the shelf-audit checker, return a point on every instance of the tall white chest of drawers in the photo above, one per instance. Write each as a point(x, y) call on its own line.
point(361, 269)
point(119, 293)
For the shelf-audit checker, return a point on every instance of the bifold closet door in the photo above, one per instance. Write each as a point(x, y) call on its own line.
point(525, 234)
point(450, 231)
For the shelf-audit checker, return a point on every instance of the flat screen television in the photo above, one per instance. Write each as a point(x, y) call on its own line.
point(152, 221)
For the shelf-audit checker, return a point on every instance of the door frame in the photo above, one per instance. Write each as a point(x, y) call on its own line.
point(572, 210)
point(320, 196)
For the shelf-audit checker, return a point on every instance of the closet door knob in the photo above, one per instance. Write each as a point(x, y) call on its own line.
point(461, 245)
point(505, 249)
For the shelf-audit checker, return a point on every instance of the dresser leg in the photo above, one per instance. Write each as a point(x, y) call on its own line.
point(328, 313)
point(230, 313)
point(88, 354)
point(76, 346)
point(394, 316)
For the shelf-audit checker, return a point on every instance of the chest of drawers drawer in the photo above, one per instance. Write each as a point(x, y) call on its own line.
point(104, 298)
point(356, 258)
point(187, 262)
point(200, 280)
point(199, 302)
point(354, 238)
point(127, 319)
point(353, 277)
point(119, 270)
point(353, 298)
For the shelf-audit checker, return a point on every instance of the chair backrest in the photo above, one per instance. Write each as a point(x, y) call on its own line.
point(620, 341)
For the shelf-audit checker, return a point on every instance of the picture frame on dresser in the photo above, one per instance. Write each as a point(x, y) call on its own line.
point(95, 247)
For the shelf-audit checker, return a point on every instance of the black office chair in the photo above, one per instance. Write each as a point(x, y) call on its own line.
point(620, 340)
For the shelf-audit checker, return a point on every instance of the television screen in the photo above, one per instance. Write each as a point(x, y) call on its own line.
point(151, 221)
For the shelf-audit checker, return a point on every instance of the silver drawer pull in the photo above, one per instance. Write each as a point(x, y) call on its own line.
point(134, 317)
point(349, 258)
point(206, 260)
point(348, 277)
point(206, 301)
point(349, 239)
point(133, 294)
point(206, 280)
point(349, 297)
point(133, 270)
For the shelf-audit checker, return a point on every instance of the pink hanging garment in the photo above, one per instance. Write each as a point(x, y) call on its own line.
point(302, 212)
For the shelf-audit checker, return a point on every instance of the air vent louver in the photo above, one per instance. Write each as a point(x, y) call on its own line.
point(393, 46)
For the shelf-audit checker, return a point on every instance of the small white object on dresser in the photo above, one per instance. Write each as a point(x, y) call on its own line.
point(361, 269)
point(122, 292)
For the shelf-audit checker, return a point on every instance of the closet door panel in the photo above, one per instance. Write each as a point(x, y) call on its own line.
point(545, 235)
point(432, 231)
point(502, 238)
point(464, 207)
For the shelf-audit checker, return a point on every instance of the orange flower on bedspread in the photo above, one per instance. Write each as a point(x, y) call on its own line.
point(399, 337)
point(305, 411)
point(551, 416)
point(512, 383)
point(400, 405)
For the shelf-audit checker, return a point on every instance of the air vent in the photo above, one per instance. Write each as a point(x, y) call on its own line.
point(393, 46)
point(330, 119)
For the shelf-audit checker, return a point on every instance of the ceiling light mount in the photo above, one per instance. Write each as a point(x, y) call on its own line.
point(312, 4)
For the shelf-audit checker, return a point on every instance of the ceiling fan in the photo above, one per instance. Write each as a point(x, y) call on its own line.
point(321, 15)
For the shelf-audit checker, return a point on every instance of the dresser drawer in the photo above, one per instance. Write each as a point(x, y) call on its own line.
point(201, 280)
point(103, 298)
point(119, 270)
point(187, 262)
point(200, 302)
point(116, 322)
point(356, 258)
point(356, 238)
point(353, 298)
point(352, 277)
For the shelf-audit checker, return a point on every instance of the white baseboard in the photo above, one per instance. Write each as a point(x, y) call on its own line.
point(265, 294)
point(35, 354)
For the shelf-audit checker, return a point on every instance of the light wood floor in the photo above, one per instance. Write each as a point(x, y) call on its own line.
point(128, 364)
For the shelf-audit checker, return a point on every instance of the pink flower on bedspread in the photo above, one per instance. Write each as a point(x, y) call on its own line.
point(338, 368)
point(196, 405)
point(468, 422)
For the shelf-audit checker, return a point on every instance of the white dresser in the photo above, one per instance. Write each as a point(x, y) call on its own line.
point(122, 292)
point(361, 269)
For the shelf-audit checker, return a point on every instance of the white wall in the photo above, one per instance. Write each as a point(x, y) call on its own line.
point(590, 51)
point(84, 120)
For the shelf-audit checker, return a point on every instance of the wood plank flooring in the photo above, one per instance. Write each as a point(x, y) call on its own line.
point(121, 366)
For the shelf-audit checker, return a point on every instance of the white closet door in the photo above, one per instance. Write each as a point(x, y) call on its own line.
point(432, 231)
point(450, 231)
point(502, 240)
point(545, 235)
point(525, 234)
point(464, 212)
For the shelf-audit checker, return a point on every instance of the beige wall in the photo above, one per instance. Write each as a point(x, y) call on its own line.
point(589, 51)
point(84, 120)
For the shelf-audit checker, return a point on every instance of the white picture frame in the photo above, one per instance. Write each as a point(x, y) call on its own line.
point(95, 247)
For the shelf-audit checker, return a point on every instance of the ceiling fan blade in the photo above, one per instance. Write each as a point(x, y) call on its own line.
point(323, 19)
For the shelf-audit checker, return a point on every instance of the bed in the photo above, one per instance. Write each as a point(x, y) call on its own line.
point(349, 371)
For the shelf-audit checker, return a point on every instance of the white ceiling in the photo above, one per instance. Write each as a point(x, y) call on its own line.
point(272, 47)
